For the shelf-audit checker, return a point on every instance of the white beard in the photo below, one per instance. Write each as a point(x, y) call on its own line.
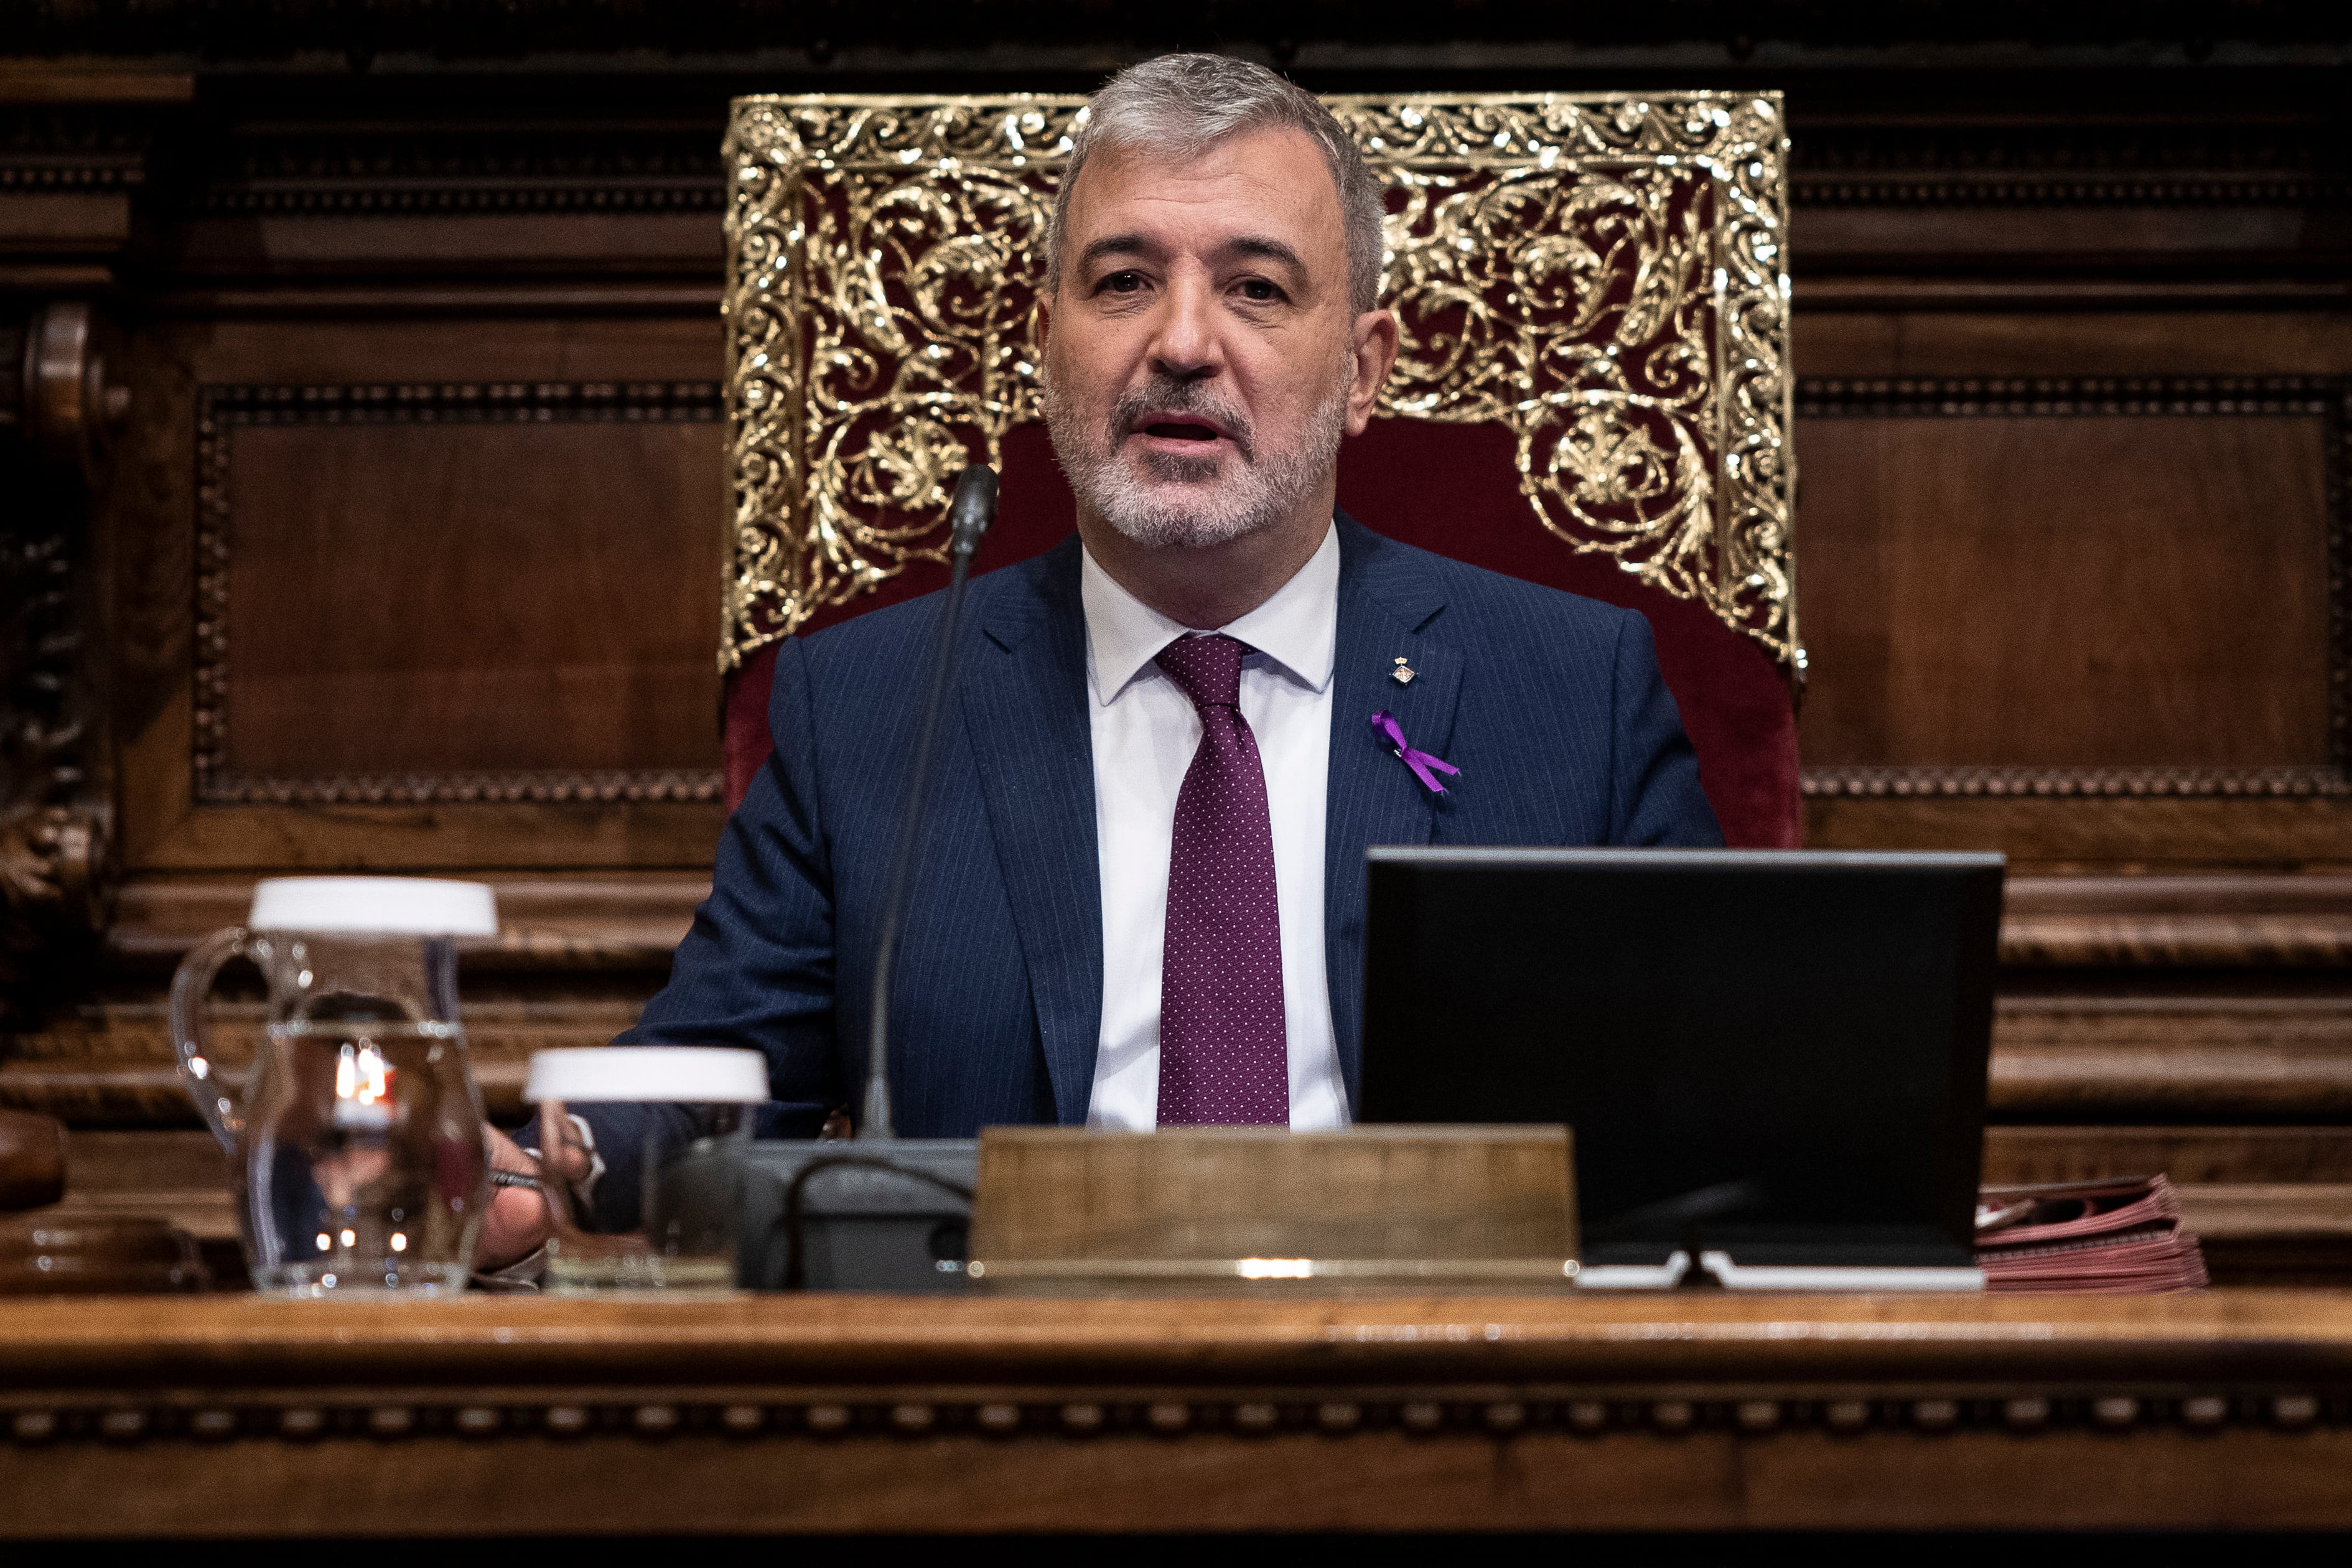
point(1187, 502)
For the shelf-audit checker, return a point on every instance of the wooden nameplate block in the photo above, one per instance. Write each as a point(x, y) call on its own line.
point(1248, 1210)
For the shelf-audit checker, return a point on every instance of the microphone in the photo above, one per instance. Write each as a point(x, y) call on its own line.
point(969, 515)
point(818, 1215)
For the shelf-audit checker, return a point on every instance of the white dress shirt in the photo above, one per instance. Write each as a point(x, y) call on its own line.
point(1144, 731)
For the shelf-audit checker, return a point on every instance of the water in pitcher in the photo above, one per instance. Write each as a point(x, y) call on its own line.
point(365, 1166)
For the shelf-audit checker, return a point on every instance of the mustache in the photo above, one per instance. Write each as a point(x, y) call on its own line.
point(1166, 395)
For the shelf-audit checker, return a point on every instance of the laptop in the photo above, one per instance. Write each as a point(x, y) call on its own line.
point(1773, 1062)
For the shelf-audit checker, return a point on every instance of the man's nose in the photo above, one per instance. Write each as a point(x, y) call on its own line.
point(1186, 345)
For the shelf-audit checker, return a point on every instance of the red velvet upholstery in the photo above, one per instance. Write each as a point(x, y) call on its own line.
point(1449, 489)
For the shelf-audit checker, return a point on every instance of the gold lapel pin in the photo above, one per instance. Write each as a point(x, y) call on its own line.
point(1402, 672)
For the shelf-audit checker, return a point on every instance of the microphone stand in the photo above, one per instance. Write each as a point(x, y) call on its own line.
point(969, 515)
point(819, 1216)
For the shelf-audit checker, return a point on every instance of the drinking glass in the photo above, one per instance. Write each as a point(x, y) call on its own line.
point(696, 1112)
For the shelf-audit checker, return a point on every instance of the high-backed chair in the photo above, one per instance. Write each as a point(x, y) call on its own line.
point(1593, 390)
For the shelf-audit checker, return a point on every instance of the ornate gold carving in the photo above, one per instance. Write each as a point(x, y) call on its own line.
point(1602, 275)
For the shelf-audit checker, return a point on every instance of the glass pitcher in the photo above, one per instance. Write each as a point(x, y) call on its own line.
point(357, 1156)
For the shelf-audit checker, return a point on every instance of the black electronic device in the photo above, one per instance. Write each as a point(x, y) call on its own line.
point(880, 1212)
point(840, 1214)
point(1773, 1062)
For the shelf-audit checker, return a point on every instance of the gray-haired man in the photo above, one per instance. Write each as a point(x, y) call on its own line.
point(1141, 894)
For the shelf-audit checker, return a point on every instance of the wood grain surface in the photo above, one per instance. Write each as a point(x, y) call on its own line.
point(2184, 615)
point(841, 1342)
point(503, 1416)
point(471, 598)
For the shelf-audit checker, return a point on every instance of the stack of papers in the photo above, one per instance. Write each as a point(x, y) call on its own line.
point(2116, 1237)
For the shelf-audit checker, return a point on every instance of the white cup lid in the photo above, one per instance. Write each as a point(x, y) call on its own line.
point(379, 906)
point(716, 1075)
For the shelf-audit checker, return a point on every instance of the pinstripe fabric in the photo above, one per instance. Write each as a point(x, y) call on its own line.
point(1550, 705)
point(1024, 705)
point(1375, 799)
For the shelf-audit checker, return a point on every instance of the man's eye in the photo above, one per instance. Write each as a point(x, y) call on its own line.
point(1122, 283)
point(1259, 289)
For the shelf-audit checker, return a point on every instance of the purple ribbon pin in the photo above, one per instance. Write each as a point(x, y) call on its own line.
point(1419, 761)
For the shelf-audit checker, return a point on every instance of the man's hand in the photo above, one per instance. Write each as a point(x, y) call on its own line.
point(517, 1222)
point(520, 1218)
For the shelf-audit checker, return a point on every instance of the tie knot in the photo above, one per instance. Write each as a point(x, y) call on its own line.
point(1208, 669)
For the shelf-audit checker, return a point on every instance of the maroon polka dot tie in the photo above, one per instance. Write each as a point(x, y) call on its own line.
point(1224, 1059)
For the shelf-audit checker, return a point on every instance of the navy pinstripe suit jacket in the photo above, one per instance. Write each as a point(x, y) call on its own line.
point(1550, 705)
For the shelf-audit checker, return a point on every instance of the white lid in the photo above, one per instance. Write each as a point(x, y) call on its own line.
point(381, 905)
point(716, 1075)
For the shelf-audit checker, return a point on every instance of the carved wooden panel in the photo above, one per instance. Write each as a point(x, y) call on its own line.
point(456, 593)
point(2076, 587)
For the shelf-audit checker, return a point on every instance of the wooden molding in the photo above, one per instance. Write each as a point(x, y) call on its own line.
point(459, 789)
point(1163, 1413)
point(831, 1345)
point(544, 923)
point(2069, 396)
point(2140, 923)
point(345, 36)
point(80, 134)
point(2076, 1058)
point(1823, 294)
point(166, 1416)
point(421, 172)
point(2118, 188)
point(1970, 160)
point(2326, 783)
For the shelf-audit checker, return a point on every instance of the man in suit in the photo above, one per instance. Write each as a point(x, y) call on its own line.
point(1140, 900)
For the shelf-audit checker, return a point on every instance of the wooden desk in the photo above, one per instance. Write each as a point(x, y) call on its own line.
point(1697, 1411)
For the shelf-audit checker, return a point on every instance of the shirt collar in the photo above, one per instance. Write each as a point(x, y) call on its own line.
point(1296, 629)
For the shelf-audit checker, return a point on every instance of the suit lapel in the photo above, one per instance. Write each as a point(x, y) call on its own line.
point(1386, 605)
point(1024, 704)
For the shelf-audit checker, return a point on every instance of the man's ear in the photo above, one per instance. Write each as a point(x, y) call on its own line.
point(1045, 321)
point(1376, 352)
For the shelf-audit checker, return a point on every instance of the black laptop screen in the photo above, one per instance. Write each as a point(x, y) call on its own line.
point(1782, 1054)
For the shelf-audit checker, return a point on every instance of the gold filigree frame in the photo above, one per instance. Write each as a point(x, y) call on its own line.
point(1602, 274)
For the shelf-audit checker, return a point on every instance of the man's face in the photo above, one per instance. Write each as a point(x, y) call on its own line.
point(1202, 358)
